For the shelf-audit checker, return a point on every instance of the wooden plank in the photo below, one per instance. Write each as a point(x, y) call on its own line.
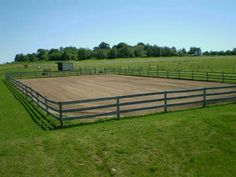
point(184, 97)
point(89, 100)
point(221, 93)
point(184, 91)
point(89, 116)
point(184, 103)
point(222, 99)
point(221, 87)
point(141, 102)
point(141, 109)
point(88, 108)
point(141, 95)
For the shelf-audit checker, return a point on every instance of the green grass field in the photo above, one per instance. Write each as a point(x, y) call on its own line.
point(217, 63)
point(197, 142)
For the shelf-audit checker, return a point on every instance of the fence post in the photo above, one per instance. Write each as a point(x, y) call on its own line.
point(204, 97)
point(157, 71)
point(207, 75)
point(31, 94)
point(26, 92)
point(46, 104)
point(165, 102)
point(117, 107)
point(192, 75)
point(167, 74)
point(223, 77)
point(37, 96)
point(61, 117)
point(148, 71)
point(179, 74)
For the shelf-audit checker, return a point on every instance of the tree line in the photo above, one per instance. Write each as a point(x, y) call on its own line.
point(121, 50)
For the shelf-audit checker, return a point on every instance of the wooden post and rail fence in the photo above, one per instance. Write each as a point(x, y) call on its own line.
point(118, 105)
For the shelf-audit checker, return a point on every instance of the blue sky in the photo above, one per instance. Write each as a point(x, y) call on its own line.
point(26, 25)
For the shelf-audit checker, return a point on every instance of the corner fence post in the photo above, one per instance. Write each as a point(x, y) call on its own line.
point(61, 117)
point(165, 102)
point(204, 97)
point(117, 107)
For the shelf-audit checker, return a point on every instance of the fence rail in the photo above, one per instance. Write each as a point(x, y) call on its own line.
point(122, 105)
point(145, 72)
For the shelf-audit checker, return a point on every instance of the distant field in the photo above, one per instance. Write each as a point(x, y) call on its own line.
point(197, 142)
point(216, 63)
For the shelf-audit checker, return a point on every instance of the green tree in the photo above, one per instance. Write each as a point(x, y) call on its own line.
point(121, 45)
point(21, 58)
point(196, 51)
point(99, 53)
point(166, 51)
point(84, 54)
point(156, 51)
point(55, 54)
point(113, 53)
point(139, 50)
point(42, 54)
point(206, 53)
point(125, 52)
point(182, 52)
point(104, 45)
point(228, 52)
point(32, 57)
point(234, 51)
point(70, 53)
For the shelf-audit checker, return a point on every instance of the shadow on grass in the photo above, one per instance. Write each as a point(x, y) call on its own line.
point(41, 119)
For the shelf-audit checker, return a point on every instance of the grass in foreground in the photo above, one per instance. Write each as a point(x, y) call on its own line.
point(198, 142)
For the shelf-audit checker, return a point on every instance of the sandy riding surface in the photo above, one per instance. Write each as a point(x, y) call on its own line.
point(96, 86)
